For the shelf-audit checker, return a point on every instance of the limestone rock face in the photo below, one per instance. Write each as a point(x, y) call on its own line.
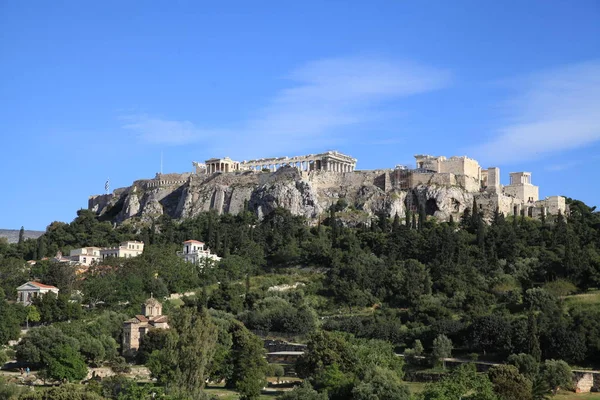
point(442, 202)
point(131, 207)
point(366, 194)
point(296, 196)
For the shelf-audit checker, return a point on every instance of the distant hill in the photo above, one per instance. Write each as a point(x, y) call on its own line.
point(13, 234)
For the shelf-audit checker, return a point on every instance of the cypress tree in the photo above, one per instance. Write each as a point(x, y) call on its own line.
point(21, 236)
point(396, 223)
point(422, 217)
point(481, 234)
point(41, 247)
point(534, 340)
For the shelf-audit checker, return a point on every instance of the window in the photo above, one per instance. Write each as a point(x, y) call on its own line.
point(84, 260)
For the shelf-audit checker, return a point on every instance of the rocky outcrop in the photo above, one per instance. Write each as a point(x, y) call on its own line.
point(366, 193)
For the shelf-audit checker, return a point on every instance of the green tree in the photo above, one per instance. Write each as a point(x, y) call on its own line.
point(442, 348)
point(489, 333)
point(63, 392)
point(509, 384)
point(277, 371)
point(381, 384)
point(10, 391)
point(416, 281)
point(65, 363)
point(155, 339)
point(33, 315)
point(325, 349)
point(190, 345)
point(557, 374)
point(462, 384)
point(249, 365)
point(9, 321)
point(534, 339)
point(303, 392)
point(21, 237)
point(526, 365)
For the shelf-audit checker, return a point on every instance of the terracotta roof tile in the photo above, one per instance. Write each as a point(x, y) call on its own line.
point(43, 286)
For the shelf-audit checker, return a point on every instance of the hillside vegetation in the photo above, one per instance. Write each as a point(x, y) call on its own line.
point(515, 290)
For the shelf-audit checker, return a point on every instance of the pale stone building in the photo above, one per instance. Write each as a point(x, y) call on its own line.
point(85, 255)
point(134, 329)
point(553, 204)
point(519, 197)
point(195, 251)
point(521, 187)
point(332, 161)
point(490, 179)
point(221, 165)
point(31, 290)
point(126, 249)
point(462, 165)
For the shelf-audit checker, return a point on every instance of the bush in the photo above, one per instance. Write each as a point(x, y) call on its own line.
point(120, 366)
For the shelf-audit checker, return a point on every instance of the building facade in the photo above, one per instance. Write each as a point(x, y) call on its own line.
point(85, 255)
point(126, 249)
point(195, 251)
point(332, 161)
point(134, 329)
point(31, 290)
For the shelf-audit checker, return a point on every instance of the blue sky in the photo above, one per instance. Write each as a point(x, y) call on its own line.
point(97, 90)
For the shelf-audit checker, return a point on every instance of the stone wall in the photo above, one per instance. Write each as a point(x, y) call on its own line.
point(554, 204)
point(523, 192)
point(461, 166)
point(586, 381)
point(430, 178)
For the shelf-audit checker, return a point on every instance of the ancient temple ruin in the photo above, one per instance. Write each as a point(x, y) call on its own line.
point(329, 161)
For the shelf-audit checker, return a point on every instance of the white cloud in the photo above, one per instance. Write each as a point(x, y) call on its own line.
point(323, 96)
point(557, 110)
point(161, 131)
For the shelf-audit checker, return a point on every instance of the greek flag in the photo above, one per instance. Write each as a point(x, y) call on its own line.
point(107, 185)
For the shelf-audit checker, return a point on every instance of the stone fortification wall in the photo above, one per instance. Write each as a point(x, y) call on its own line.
point(554, 204)
point(489, 201)
point(461, 166)
point(523, 192)
point(468, 183)
point(167, 180)
point(430, 178)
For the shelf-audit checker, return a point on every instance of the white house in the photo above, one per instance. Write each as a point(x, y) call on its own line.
point(30, 290)
point(85, 255)
point(127, 249)
point(195, 251)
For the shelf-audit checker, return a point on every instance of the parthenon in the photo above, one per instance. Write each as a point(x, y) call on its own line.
point(332, 161)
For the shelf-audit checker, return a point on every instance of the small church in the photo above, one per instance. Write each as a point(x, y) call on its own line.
point(134, 329)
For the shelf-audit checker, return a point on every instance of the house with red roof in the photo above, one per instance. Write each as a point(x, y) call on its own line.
point(31, 290)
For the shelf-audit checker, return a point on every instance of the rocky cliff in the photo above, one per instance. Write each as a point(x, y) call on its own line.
point(308, 194)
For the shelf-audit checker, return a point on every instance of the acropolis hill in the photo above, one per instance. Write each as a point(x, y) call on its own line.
point(308, 185)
